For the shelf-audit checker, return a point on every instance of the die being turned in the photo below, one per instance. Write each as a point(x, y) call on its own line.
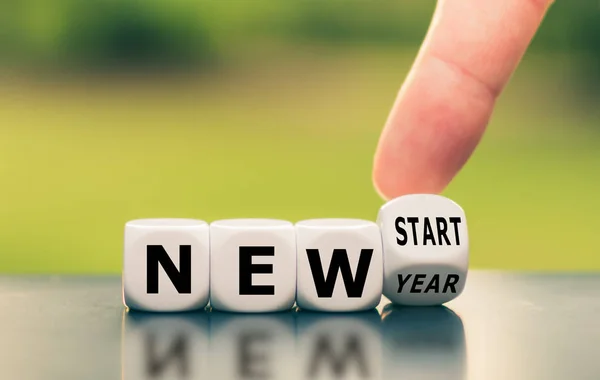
point(425, 249)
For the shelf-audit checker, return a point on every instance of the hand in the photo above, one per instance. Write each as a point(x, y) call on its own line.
point(441, 112)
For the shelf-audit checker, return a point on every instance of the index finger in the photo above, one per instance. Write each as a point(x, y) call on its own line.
point(470, 52)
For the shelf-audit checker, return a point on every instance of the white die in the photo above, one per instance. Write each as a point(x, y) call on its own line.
point(253, 265)
point(354, 281)
point(425, 249)
point(166, 264)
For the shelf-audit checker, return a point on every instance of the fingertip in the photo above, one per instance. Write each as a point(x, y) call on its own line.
point(448, 98)
point(383, 175)
point(378, 184)
point(394, 177)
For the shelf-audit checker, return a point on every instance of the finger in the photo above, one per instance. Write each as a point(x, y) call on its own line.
point(471, 49)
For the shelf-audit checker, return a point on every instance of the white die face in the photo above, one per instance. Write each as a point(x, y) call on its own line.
point(354, 246)
point(165, 346)
point(253, 265)
point(425, 248)
point(166, 264)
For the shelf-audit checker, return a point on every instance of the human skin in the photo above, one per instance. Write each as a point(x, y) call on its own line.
point(471, 49)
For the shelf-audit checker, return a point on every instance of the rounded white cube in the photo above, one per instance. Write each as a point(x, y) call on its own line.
point(166, 264)
point(253, 265)
point(425, 249)
point(340, 265)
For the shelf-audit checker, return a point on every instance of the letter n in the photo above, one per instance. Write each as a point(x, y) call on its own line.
point(180, 278)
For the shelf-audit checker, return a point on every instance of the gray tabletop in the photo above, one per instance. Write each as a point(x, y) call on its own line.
point(504, 326)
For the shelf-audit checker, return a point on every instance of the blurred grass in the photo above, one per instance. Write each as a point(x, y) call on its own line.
point(291, 136)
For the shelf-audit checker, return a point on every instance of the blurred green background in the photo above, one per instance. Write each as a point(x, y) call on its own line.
point(114, 110)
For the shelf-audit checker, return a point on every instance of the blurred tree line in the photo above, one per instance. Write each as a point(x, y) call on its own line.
point(98, 34)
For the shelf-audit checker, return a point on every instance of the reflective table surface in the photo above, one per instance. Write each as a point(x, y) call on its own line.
point(504, 326)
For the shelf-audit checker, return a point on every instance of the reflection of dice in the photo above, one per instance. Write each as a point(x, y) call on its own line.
point(339, 345)
point(423, 343)
point(166, 264)
point(340, 264)
point(165, 346)
point(425, 248)
point(251, 346)
point(252, 265)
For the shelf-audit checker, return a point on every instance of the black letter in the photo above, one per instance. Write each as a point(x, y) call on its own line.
point(442, 227)
point(247, 269)
point(353, 350)
point(455, 221)
point(434, 284)
point(401, 231)
point(451, 280)
point(417, 281)
point(339, 262)
point(414, 221)
point(181, 279)
point(428, 233)
point(177, 351)
point(402, 283)
point(247, 364)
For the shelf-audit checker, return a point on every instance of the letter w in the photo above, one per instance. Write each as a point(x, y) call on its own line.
point(339, 262)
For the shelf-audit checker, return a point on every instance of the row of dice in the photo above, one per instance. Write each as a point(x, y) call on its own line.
point(416, 254)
